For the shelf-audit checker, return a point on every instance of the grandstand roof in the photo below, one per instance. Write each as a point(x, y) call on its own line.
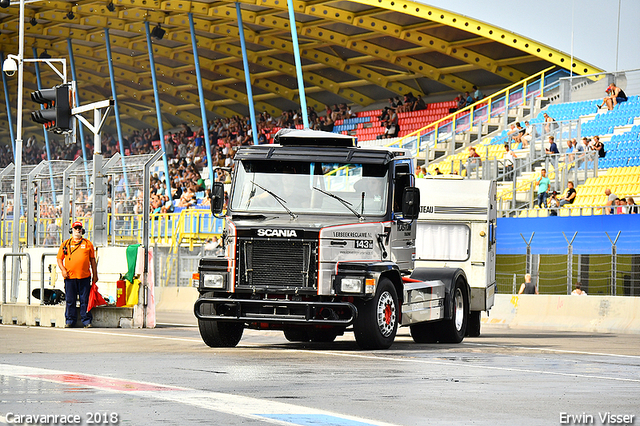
point(359, 52)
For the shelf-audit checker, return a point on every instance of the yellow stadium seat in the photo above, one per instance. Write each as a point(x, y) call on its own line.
point(563, 212)
point(575, 212)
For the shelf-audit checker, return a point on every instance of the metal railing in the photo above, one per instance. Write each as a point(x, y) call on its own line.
point(445, 129)
point(592, 86)
point(127, 229)
point(14, 290)
point(561, 168)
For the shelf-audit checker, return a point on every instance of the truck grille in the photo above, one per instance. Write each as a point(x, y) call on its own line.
point(277, 264)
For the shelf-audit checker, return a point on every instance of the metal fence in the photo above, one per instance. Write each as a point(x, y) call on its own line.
point(55, 194)
point(176, 268)
point(599, 274)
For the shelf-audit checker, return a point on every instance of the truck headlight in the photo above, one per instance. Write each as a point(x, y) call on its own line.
point(351, 285)
point(213, 280)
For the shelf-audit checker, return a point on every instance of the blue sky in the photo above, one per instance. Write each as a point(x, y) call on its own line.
point(549, 22)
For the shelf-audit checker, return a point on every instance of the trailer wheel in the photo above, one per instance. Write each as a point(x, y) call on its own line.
point(377, 321)
point(453, 330)
point(297, 335)
point(424, 332)
point(473, 327)
point(218, 334)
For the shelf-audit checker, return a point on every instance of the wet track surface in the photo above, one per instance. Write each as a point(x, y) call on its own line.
point(168, 376)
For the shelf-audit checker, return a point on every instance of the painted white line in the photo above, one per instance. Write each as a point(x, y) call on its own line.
point(237, 405)
point(550, 350)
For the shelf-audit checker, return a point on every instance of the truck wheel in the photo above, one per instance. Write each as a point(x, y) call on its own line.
point(219, 334)
point(473, 327)
point(453, 330)
point(424, 332)
point(297, 335)
point(377, 321)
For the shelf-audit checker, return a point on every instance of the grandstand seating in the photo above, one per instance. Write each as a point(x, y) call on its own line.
point(619, 129)
point(623, 181)
point(366, 126)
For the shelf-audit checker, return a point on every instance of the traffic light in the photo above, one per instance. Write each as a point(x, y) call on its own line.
point(56, 115)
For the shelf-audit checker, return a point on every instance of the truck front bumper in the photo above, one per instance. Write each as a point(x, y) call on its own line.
point(275, 311)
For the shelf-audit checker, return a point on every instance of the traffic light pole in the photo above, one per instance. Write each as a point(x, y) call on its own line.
point(17, 188)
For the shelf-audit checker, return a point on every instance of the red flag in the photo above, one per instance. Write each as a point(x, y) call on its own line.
point(95, 298)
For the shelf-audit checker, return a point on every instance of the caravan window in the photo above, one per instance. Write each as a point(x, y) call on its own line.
point(443, 241)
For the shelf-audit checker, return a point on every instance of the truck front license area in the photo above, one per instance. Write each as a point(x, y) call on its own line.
point(274, 313)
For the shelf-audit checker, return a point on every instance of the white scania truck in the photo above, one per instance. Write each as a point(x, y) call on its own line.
point(320, 238)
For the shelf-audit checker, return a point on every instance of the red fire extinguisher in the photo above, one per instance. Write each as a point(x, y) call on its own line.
point(121, 292)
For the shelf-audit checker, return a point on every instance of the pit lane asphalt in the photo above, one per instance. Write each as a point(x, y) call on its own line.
point(168, 376)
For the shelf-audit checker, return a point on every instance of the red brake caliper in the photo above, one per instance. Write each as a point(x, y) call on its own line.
point(387, 313)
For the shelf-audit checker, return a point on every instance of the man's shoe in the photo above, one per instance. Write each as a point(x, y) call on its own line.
point(88, 326)
point(68, 325)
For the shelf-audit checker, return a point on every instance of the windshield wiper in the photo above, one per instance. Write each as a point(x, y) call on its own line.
point(278, 199)
point(344, 202)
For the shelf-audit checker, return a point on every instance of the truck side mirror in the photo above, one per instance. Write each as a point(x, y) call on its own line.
point(217, 198)
point(411, 203)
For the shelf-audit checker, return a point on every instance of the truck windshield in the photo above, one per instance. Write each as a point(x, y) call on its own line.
point(363, 186)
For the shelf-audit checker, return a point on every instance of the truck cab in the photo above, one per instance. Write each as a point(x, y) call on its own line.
point(320, 238)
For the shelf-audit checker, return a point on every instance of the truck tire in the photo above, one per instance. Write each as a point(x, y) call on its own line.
point(297, 335)
point(453, 330)
point(218, 334)
point(424, 332)
point(377, 321)
point(473, 327)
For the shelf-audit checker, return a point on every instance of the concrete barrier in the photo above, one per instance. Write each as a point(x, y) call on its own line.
point(53, 316)
point(599, 314)
point(179, 299)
